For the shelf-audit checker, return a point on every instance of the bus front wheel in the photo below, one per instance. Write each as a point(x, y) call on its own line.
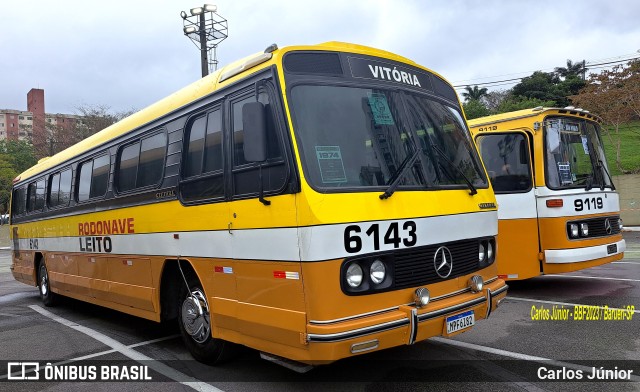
point(194, 319)
point(47, 296)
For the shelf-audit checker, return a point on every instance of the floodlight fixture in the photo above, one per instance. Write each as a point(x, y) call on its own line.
point(206, 29)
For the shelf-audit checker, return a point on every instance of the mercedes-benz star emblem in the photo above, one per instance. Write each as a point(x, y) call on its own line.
point(607, 226)
point(443, 262)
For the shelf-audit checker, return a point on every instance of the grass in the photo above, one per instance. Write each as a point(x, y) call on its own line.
point(629, 134)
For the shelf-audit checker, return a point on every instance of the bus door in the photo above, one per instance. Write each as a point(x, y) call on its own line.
point(507, 158)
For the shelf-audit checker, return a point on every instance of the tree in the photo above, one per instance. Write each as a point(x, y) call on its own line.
point(613, 95)
point(632, 87)
point(540, 85)
point(474, 109)
point(19, 154)
point(16, 156)
point(492, 100)
point(7, 175)
point(474, 93)
point(519, 103)
point(572, 69)
point(548, 87)
point(91, 119)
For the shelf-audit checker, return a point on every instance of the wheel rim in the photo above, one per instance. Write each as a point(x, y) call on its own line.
point(44, 282)
point(195, 316)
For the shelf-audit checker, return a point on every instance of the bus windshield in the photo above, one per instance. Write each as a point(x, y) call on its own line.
point(575, 155)
point(357, 137)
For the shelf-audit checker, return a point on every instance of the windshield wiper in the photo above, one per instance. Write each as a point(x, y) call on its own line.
point(394, 181)
point(472, 189)
point(600, 165)
point(604, 169)
point(588, 183)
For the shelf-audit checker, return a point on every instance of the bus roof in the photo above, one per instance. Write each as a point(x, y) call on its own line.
point(193, 92)
point(537, 111)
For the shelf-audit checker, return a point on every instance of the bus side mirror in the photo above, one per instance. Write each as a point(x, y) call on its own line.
point(255, 132)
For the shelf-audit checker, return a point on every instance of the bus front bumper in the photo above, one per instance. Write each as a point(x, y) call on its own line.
point(577, 255)
point(406, 324)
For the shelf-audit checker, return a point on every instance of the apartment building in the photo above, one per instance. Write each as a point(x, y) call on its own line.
point(33, 124)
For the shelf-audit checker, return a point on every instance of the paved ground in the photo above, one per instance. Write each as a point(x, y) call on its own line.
point(502, 353)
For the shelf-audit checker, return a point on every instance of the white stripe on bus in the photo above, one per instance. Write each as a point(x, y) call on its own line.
point(610, 202)
point(315, 243)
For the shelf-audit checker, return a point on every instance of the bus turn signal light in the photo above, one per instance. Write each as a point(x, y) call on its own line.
point(554, 203)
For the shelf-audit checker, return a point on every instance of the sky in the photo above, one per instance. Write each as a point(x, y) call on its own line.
point(129, 54)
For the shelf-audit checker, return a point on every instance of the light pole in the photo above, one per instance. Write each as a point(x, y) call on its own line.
point(206, 29)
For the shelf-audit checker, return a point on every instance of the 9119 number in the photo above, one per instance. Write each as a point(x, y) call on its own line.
point(594, 203)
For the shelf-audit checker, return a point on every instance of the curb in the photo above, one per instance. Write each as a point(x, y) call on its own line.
point(631, 228)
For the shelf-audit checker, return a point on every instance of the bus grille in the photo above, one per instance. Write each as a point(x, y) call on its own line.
point(415, 267)
point(597, 226)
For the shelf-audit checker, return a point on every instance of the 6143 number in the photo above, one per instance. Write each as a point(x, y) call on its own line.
point(354, 236)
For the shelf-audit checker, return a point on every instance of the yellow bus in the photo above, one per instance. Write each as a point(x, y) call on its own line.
point(312, 202)
point(558, 209)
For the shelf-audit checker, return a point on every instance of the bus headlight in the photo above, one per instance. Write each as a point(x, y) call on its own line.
point(620, 226)
point(377, 271)
point(489, 250)
point(573, 230)
point(354, 275)
point(482, 252)
point(584, 229)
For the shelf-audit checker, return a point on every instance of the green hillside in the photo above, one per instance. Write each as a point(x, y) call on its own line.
point(629, 148)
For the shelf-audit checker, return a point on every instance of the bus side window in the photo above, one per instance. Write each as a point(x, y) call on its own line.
point(31, 197)
point(64, 195)
point(245, 174)
point(35, 196)
point(203, 168)
point(141, 164)
point(506, 157)
point(39, 205)
point(54, 190)
point(59, 189)
point(94, 178)
point(19, 201)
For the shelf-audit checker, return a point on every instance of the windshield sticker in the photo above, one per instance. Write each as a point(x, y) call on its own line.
point(585, 145)
point(380, 109)
point(564, 169)
point(330, 164)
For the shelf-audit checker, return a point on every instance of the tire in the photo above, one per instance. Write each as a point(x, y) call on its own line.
point(48, 297)
point(194, 320)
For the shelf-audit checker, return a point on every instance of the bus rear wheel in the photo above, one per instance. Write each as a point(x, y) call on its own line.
point(194, 319)
point(47, 296)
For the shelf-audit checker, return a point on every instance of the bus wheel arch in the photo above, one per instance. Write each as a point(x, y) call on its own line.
point(37, 259)
point(192, 310)
point(48, 297)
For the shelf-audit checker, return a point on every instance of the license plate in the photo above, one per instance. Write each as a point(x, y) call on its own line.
point(460, 321)
point(613, 248)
